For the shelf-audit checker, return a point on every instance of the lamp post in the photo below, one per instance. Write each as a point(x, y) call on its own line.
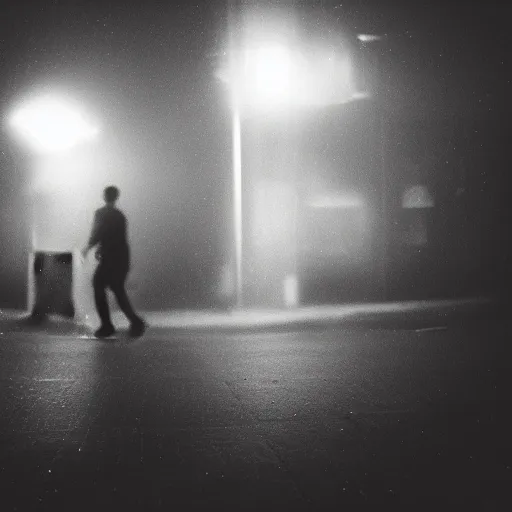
point(259, 80)
point(272, 69)
point(236, 146)
point(237, 200)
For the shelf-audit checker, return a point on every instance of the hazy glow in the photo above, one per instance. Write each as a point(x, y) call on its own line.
point(368, 38)
point(273, 216)
point(268, 73)
point(272, 75)
point(417, 196)
point(336, 201)
point(62, 172)
point(50, 125)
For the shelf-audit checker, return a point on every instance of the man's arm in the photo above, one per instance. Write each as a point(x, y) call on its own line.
point(94, 238)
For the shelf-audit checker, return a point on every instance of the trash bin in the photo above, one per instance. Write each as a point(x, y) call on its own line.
point(51, 283)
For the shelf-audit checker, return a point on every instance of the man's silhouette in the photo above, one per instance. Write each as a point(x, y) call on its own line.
point(109, 234)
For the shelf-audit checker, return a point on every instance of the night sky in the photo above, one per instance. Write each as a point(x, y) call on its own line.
point(162, 51)
point(147, 69)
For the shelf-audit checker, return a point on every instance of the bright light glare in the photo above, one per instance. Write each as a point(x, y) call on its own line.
point(368, 38)
point(275, 75)
point(268, 73)
point(50, 125)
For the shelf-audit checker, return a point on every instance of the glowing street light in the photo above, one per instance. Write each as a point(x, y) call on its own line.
point(267, 75)
point(271, 68)
point(50, 125)
point(263, 81)
point(368, 38)
point(273, 75)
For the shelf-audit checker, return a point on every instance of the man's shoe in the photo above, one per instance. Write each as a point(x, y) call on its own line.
point(105, 331)
point(137, 328)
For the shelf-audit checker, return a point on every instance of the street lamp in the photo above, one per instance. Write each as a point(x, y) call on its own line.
point(267, 75)
point(261, 80)
point(272, 69)
point(51, 127)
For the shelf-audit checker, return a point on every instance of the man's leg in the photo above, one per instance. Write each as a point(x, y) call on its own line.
point(117, 286)
point(100, 283)
point(137, 325)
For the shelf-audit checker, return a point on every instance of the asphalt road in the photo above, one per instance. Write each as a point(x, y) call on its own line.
point(312, 420)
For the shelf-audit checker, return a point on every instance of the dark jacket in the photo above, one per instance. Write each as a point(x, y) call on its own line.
point(109, 233)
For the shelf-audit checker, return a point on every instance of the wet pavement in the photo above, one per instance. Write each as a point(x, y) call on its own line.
point(311, 420)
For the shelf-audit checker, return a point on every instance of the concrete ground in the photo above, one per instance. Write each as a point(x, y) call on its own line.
point(408, 417)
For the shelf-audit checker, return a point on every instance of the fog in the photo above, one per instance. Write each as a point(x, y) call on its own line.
point(149, 80)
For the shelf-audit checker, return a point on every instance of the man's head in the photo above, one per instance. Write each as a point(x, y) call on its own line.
point(111, 194)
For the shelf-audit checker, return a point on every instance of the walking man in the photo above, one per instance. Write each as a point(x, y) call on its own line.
point(109, 234)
